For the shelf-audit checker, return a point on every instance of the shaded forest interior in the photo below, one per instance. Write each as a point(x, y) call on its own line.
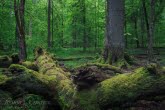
point(82, 54)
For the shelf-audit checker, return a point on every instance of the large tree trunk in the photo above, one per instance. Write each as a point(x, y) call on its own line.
point(19, 14)
point(114, 42)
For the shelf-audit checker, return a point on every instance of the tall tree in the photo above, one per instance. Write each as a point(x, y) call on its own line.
point(19, 7)
point(84, 24)
point(114, 42)
point(52, 42)
point(151, 29)
point(49, 20)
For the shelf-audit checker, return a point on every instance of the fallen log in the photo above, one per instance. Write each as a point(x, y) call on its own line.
point(19, 81)
point(121, 90)
point(59, 81)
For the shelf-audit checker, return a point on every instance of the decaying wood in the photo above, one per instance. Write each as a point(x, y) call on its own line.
point(60, 81)
point(116, 91)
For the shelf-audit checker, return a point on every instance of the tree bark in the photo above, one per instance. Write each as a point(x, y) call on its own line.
point(114, 42)
point(151, 30)
point(142, 25)
point(49, 28)
point(52, 40)
point(84, 25)
point(19, 14)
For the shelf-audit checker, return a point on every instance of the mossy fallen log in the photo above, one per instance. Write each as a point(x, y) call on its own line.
point(60, 81)
point(20, 81)
point(143, 84)
point(30, 65)
point(130, 87)
point(116, 91)
point(3, 78)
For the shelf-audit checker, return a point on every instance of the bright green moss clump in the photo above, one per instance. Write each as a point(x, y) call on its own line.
point(3, 78)
point(128, 87)
point(30, 65)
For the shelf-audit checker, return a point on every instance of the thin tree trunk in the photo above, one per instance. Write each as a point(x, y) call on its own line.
point(142, 29)
point(136, 32)
point(19, 14)
point(96, 34)
point(151, 30)
point(52, 41)
point(84, 26)
point(49, 28)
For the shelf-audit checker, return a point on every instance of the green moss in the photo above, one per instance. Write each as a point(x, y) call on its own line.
point(17, 68)
point(122, 63)
point(3, 78)
point(128, 87)
point(30, 65)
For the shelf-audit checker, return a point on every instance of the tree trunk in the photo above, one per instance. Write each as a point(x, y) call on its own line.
point(114, 42)
point(52, 40)
point(49, 28)
point(136, 31)
point(142, 28)
point(19, 14)
point(84, 25)
point(151, 30)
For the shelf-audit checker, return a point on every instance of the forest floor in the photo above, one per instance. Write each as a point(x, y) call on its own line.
point(75, 57)
point(86, 77)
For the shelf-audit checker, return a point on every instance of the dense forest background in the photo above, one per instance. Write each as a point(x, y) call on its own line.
point(73, 21)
